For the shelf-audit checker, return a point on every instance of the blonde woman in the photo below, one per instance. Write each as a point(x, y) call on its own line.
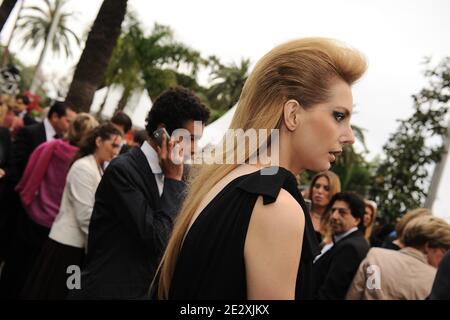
point(396, 244)
point(324, 186)
point(246, 234)
point(370, 215)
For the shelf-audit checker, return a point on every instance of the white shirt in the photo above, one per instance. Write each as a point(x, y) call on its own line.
point(153, 161)
point(49, 130)
point(343, 235)
point(337, 238)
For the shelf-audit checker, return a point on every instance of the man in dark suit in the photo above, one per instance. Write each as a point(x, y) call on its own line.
point(21, 108)
point(136, 203)
point(334, 270)
point(122, 122)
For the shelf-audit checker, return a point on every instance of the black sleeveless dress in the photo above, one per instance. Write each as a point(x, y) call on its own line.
point(211, 263)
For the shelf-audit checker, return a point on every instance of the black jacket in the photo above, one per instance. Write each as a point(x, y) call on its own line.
point(441, 285)
point(28, 120)
point(334, 270)
point(5, 146)
point(129, 229)
point(27, 139)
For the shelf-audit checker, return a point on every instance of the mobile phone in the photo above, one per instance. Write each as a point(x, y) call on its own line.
point(158, 135)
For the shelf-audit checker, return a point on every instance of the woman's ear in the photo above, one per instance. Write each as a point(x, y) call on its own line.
point(291, 117)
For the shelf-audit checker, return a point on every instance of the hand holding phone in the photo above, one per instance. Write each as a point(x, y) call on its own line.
point(170, 154)
point(159, 133)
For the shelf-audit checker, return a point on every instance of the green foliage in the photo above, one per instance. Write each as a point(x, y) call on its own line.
point(354, 171)
point(228, 81)
point(152, 62)
point(401, 179)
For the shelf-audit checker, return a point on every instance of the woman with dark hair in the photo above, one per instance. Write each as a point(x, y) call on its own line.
point(66, 244)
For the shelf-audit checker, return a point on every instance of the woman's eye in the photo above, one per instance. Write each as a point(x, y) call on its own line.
point(339, 116)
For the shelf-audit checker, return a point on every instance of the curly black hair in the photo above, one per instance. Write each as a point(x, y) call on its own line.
point(173, 108)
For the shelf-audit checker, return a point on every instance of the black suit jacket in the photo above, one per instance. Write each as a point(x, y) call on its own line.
point(28, 120)
point(334, 271)
point(5, 146)
point(27, 139)
point(129, 229)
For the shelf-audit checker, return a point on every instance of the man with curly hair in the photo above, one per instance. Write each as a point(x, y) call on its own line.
point(136, 203)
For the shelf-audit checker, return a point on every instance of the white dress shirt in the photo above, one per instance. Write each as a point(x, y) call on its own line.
point(337, 238)
point(49, 130)
point(153, 161)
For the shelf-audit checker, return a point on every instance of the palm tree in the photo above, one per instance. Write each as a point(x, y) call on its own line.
point(163, 57)
point(48, 26)
point(5, 10)
point(124, 67)
point(150, 62)
point(230, 80)
point(91, 68)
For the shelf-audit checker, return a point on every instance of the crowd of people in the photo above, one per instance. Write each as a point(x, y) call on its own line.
point(78, 192)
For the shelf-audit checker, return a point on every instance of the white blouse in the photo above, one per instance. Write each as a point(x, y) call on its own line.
point(71, 225)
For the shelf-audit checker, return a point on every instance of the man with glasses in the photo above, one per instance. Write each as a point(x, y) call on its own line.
point(334, 270)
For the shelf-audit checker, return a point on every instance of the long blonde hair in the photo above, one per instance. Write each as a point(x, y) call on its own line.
point(373, 207)
point(302, 70)
point(335, 187)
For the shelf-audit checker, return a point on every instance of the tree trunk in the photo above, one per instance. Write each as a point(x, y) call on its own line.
point(5, 55)
point(123, 101)
point(102, 106)
point(5, 10)
point(94, 60)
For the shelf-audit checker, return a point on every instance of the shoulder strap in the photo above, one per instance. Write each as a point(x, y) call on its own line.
point(268, 185)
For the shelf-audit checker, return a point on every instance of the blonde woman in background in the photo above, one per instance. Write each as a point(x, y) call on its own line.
point(244, 234)
point(370, 216)
point(396, 244)
point(324, 186)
